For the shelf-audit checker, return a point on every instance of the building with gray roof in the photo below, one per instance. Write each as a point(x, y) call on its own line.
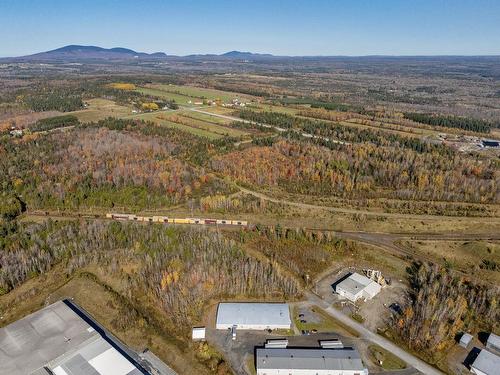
point(493, 342)
point(62, 339)
point(486, 363)
point(357, 286)
point(253, 316)
point(309, 361)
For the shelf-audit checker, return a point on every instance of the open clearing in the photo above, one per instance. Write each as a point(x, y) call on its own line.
point(480, 258)
point(99, 109)
point(161, 118)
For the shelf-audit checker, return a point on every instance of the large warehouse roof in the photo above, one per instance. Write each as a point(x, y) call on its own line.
point(309, 359)
point(253, 314)
point(58, 339)
point(487, 363)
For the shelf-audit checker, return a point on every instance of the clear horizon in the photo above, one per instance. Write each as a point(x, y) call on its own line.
point(318, 28)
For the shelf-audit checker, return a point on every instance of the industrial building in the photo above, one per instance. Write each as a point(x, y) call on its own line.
point(486, 363)
point(255, 316)
point(356, 286)
point(61, 339)
point(493, 342)
point(309, 361)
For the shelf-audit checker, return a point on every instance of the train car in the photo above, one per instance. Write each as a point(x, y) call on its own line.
point(210, 221)
point(196, 221)
point(157, 219)
point(223, 222)
point(138, 218)
point(148, 219)
point(109, 216)
point(164, 219)
point(239, 222)
point(120, 216)
point(182, 221)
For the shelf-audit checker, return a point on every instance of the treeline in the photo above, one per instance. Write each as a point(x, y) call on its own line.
point(54, 99)
point(54, 123)
point(181, 268)
point(442, 305)
point(464, 123)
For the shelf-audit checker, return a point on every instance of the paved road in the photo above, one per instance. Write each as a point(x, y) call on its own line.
point(374, 338)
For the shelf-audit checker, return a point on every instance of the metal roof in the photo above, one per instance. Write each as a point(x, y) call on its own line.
point(355, 283)
point(57, 338)
point(309, 359)
point(487, 362)
point(494, 340)
point(267, 314)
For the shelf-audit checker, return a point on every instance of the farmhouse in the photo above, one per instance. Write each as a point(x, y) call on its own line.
point(486, 363)
point(256, 316)
point(357, 286)
point(61, 340)
point(309, 361)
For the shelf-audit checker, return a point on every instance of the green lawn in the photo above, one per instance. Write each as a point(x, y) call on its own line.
point(99, 109)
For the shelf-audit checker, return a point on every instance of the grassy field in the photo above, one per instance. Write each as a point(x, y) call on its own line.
point(99, 109)
point(207, 118)
point(160, 118)
point(153, 91)
point(186, 119)
point(480, 258)
point(324, 323)
point(201, 93)
point(385, 359)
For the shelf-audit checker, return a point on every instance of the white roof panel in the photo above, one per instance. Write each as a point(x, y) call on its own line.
point(111, 362)
point(267, 314)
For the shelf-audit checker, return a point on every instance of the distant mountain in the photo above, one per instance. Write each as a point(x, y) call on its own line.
point(77, 53)
point(81, 53)
point(244, 55)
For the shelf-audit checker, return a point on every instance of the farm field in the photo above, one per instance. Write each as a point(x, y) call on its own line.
point(99, 109)
point(161, 118)
point(202, 93)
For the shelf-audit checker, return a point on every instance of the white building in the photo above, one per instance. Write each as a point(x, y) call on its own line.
point(486, 363)
point(493, 342)
point(357, 286)
point(309, 361)
point(256, 316)
point(198, 334)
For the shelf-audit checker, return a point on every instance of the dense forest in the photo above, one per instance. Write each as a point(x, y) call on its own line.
point(464, 123)
point(444, 304)
point(58, 99)
point(104, 165)
point(362, 171)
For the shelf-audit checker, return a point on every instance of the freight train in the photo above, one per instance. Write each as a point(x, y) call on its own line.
point(169, 220)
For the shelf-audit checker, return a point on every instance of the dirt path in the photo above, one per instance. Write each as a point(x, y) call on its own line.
point(356, 211)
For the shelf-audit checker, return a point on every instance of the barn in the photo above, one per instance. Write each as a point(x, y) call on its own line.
point(357, 286)
point(253, 316)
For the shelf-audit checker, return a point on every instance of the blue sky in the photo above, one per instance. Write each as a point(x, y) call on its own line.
point(314, 27)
